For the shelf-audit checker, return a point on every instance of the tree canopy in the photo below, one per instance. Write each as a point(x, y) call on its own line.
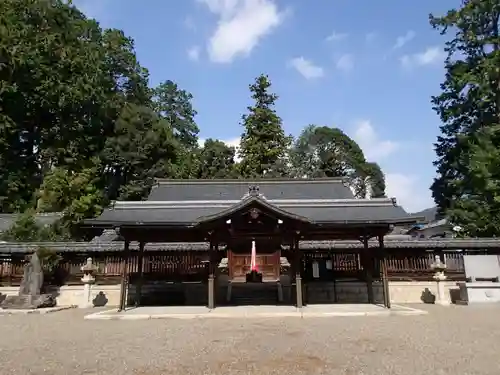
point(264, 143)
point(466, 188)
point(81, 126)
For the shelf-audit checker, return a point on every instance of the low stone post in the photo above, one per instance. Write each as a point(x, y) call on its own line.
point(439, 276)
point(89, 269)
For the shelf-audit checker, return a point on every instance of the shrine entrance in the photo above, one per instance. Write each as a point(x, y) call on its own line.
point(254, 273)
point(266, 257)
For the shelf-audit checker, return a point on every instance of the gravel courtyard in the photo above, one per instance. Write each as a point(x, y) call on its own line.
point(454, 340)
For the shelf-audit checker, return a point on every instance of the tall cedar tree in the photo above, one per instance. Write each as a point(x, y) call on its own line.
point(61, 93)
point(264, 145)
point(466, 188)
point(174, 105)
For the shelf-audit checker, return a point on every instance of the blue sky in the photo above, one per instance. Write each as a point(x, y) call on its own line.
point(367, 67)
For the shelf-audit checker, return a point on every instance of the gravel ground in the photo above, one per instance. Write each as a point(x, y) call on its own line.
point(454, 340)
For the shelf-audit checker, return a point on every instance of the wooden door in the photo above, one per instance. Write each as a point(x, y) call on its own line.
point(239, 265)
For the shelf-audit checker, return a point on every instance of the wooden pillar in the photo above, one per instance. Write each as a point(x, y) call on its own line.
point(298, 277)
point(211, 276)
point(140, 274)
point(383, 272)
point(368, 268)
point(123, 286)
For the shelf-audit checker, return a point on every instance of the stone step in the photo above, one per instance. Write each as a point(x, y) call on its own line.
point(254, 293)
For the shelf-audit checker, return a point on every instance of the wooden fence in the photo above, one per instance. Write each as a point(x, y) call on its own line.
point(177, 266)
point(193, 266)
point(404, 265)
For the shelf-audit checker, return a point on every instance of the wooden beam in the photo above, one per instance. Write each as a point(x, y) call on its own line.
point(140, 274)
point(123, 286)
point(211, 275)
point(368, 268)
point(383, 271)
point(298, 277)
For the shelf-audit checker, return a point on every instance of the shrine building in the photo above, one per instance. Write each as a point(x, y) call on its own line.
point(260, 237)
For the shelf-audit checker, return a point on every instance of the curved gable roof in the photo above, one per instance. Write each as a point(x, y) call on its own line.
point(247, 203)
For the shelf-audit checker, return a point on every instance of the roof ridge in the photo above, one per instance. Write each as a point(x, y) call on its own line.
point(166, 181)
point(277, 202)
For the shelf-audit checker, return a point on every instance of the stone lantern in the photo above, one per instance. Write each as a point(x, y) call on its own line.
point(439, 267)
point(89, 269)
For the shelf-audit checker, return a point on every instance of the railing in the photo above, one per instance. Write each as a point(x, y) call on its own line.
point(178, 266)
point(193, 266)
point(404, 265)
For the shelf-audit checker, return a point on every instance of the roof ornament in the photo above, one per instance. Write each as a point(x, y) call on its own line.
point(254, 213)
point(253, 191)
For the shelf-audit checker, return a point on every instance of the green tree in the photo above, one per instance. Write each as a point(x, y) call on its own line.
point(26, 229)
point(174, 105)
point(468, 106)
point(142, 149)
point(74, 194)
point(63, 83)
point(479, 212)
point(217, 160)
point(264, 145)
point(376, 179)
point(320, 151)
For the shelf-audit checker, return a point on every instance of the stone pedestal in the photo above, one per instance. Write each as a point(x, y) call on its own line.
point(439, 276)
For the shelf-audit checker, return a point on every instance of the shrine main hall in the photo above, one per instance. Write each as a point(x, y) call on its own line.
point(252, 239)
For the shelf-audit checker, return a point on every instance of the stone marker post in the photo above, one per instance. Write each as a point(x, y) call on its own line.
point(439, 276)
point(88, 279)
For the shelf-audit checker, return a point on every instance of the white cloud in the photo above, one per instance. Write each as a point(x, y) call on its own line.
point(307, 68)
point(335, 36)
point(408, 191)
point(241, 26)
point(194, 53)
point(432, 55)
point(345, 62)
point(406, 188)
point(402, 40)
point(373, 147)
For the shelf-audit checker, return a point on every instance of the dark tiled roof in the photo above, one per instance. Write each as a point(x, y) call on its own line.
point(107, 236)
point(441, 243)
point(6, 220)
point(196, 190)
point(339, 211)
point(88, 247)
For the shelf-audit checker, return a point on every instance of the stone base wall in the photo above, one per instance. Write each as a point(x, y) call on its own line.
point(196, 293)
point(399, 291)
point(72, 295)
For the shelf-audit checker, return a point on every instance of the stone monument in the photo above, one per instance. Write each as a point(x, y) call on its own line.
point(29, 296)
